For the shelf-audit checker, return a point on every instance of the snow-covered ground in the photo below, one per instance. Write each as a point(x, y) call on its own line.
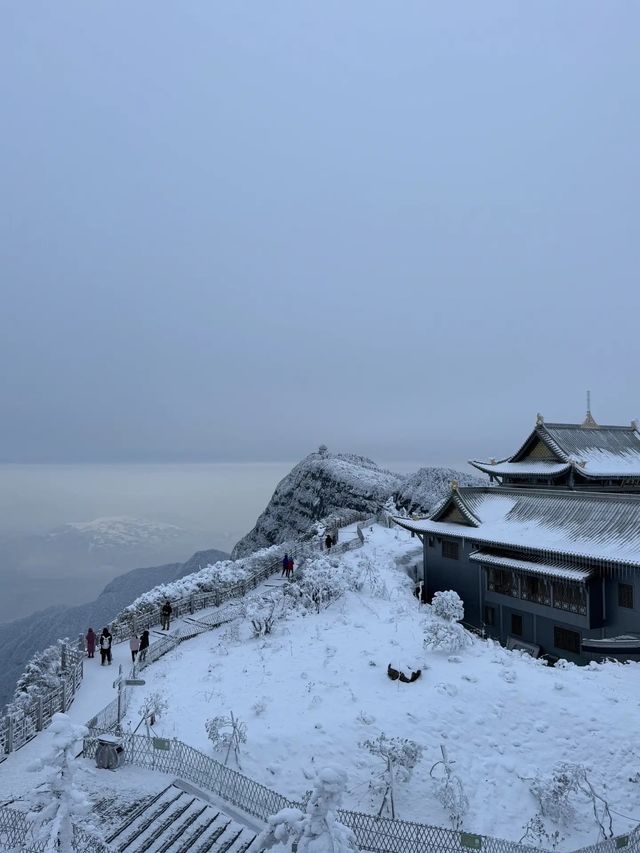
point(312, 691)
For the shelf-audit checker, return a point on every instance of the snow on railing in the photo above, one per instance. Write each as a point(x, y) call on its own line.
point(16, 834)
point(19, 726)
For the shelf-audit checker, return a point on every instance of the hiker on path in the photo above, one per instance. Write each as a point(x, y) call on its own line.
point(290, 567)
point(166, 615)
point(134, 645)
point(285, 565)
point(105, 647)
point(91, 643)
point(328, 542)
point(144, 645)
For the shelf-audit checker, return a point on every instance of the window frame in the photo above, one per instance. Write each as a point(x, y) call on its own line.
point(625, 589)
point(453, 547)
point(558, 631)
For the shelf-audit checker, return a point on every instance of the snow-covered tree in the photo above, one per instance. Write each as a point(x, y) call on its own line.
point(41, 676)
point(449, 790)
point(59, 802)
point(448, 605)
point(316, 830)
point(400, 755)
point(264, 609)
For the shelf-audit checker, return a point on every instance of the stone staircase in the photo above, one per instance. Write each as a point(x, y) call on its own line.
point(179, 821)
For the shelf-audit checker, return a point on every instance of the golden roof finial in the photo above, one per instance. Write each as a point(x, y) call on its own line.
point(454, 485)
point(539, 419)
point(589, 422)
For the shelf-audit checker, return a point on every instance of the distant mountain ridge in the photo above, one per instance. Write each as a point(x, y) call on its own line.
point(20, 639)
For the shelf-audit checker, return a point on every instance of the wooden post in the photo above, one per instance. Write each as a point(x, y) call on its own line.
point(9, 742)
point(63, 695)
point(39, 715)
point(63, 657)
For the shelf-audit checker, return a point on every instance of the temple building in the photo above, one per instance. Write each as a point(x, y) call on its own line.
point(546, 557)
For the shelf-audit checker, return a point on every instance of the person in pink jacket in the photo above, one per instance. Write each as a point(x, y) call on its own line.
point(90, 640)
point(134, 645)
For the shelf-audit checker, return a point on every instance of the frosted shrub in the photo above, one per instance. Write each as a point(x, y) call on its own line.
point(59, 802)
point(227, 733)
point(449, 790)
point(263, 610)
point(316, 830)
point(554, 794)
point(400, 756)
point(369, 576)
point(448, 606)
point(153, 707)
point(441, 636)
point(323, 580)
point(41, 676)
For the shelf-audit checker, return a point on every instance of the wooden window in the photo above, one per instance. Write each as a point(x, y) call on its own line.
point(570, 596)
point(432, 541)
point(536, 589)
point(516, 624)
point(450, 550)
point(567, 640)
point(489, 616)
point(625, 595)
point(502, 581)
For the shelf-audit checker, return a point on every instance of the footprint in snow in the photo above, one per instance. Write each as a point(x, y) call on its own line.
point(471, 678)
point(447, 689)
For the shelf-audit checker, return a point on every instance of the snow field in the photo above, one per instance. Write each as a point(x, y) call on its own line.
point(317, 687)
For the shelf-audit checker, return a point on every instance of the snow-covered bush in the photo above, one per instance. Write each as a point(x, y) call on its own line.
point(153, 706)
point(316, 830)
point(60, 802)
point(448, 605)
point(441, 636)
point(554, 794)
point(227, 733)
point(41, 676)
point(263, 610)
point(400, 755)
point(323, 580)
point(369, 576)
point(449, 790)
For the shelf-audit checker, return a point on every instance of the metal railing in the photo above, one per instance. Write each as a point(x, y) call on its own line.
point(373, 834)
point(19, 726)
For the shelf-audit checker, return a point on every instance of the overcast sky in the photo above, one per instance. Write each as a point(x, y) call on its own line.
point(234, 230)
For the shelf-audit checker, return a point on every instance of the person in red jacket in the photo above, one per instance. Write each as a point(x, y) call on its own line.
point(290, 567)
point(90, 640)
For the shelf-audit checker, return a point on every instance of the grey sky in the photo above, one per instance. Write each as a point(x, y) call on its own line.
point(237, 230)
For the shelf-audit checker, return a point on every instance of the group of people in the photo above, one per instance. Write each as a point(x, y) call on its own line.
point(287, 566)
point(137, 645)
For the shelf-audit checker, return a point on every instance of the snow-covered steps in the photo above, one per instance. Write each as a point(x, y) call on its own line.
point(179, 821)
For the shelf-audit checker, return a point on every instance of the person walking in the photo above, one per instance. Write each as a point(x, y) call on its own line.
point(144, 645)
point(90, 640)
point(109, 658)
point(105, 647)
point(285, 565)
point(134, 645)
point(290, 567)
point(328, 542)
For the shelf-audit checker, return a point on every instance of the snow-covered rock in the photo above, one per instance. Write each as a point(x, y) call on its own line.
point(420, 492)
point(324, 484)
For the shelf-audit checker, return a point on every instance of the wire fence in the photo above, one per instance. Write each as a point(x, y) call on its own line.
point(16, 833)
point(373, 834)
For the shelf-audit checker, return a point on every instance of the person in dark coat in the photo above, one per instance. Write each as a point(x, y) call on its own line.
point(90, 640)
point(290, 567)
point(328, 542)
point(285, 565)
point(166, 615)
point(144, 645)
point(105, 647)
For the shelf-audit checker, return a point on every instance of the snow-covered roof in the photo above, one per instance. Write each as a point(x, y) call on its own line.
point(597, 526)
point(593, 451)
point(561, 571)
point(529, 468)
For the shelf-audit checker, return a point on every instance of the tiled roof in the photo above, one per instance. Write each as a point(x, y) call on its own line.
point(600, 451)
point(561, 571)
point(529, 468)
point(580, 524)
